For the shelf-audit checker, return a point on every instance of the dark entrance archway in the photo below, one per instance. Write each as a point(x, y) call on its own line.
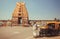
point(19, 20)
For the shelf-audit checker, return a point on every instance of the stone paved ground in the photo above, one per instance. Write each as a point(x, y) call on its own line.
point(18, 32)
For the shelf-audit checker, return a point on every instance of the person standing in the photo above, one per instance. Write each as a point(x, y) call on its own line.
point(35, 28)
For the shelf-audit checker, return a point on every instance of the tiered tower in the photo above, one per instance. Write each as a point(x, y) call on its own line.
point(20, 15)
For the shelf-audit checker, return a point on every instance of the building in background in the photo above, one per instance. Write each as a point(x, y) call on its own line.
point(20, 15)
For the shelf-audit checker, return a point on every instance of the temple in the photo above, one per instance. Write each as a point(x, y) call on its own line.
point(20, 15)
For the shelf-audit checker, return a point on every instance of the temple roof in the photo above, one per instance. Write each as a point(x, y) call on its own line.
point(20, 10)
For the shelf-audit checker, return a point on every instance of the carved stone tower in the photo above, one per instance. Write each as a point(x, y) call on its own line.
point(20, 15)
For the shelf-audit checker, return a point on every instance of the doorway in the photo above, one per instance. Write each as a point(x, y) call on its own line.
point(19, 20)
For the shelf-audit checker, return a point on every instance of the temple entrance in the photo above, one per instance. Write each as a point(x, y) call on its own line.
point(19, 20)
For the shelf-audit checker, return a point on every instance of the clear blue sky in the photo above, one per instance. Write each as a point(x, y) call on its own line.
point(37, 9)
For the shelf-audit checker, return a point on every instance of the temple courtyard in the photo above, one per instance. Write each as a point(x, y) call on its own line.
point(19, 32)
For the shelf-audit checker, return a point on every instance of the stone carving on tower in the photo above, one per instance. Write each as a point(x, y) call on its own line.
point(20, 14)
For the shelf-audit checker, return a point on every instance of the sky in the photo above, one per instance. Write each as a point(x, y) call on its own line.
point(37, 9)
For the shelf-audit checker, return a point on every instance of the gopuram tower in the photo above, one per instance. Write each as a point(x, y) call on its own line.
point(20, 15)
